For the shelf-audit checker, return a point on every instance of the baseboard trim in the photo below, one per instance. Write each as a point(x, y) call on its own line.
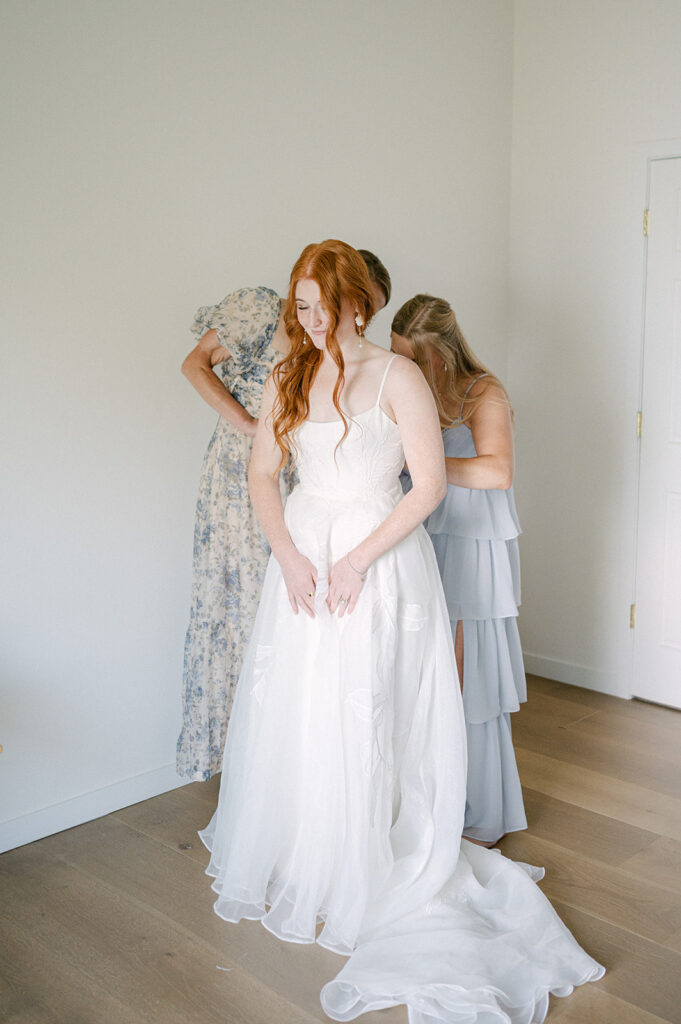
point(87, 806)
point(574, 674)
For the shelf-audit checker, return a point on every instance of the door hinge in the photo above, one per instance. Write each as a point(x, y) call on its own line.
point(632, 616)
point(639, 421)
point(645, 222)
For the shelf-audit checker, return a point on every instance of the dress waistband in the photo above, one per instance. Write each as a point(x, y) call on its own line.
point(333, 496)
point(348, 495)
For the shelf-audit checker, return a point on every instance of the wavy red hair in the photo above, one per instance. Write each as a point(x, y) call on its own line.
point(341, 273)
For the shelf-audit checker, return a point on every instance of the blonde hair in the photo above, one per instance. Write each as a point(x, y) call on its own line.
point(430, 326)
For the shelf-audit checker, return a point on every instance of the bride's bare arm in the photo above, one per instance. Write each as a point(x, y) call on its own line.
point(300, 575)
point(408, 396)
point(263, 480)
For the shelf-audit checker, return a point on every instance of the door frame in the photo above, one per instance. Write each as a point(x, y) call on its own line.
point(644, 155)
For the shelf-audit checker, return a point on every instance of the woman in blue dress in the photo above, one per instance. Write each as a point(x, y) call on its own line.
point(239, 340)
point(474, 532)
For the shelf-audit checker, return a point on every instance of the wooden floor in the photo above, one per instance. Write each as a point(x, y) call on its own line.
point(112, 922)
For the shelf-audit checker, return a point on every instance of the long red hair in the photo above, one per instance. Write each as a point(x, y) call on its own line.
point(341, 273)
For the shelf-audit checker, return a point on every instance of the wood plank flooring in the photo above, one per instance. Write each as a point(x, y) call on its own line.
point(112, 922)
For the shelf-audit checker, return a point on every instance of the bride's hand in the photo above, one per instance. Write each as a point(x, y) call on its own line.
point(300, 577)
point(345, 586)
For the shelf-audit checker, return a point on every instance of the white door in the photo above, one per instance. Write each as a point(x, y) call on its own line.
point(657, 633)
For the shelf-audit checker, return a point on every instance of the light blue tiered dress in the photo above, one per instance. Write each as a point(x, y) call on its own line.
point(475, 536)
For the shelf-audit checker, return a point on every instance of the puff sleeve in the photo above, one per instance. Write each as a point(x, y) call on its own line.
point(244, 321)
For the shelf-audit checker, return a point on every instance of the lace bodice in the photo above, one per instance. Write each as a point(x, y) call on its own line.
point(345, 490)
point(365, 466)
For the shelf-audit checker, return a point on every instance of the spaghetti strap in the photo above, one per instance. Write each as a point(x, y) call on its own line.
point(465, 395)
point(385, 374)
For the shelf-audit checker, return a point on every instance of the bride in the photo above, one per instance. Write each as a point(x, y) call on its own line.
point(343, 789)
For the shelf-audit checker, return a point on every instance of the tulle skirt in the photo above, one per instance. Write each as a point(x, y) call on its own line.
point(343, 792)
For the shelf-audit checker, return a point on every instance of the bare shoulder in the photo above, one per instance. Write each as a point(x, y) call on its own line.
point(404, 375)
point(406, 395)
point(493, 406)
point(374, 355)
point(377, 360)
point(483, 385)
point(488, 389)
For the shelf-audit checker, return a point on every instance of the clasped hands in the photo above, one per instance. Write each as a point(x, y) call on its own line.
point(300, 577)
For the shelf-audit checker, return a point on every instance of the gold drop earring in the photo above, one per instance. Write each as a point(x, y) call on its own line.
point(304, 336)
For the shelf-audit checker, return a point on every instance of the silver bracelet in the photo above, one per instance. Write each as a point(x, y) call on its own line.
point(362, 575)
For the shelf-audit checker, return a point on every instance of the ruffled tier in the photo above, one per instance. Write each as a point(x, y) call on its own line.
point(481, 578)
point(494, 796)
point(488, 950)
point(494, 685)
point(481, 514)
point(493, 671)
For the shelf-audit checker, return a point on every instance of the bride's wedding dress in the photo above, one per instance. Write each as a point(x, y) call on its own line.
point(344, 777)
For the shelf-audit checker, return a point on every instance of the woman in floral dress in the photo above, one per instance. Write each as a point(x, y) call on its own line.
point(239, 342)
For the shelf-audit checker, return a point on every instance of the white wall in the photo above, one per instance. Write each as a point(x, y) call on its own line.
point(591, 80)
point(157, 155)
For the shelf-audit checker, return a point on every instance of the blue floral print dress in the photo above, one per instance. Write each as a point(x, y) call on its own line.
point(230, 550)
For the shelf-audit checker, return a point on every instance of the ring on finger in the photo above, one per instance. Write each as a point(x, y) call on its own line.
point(342, 600)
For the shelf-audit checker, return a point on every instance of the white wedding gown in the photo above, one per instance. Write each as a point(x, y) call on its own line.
point(344, 776)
